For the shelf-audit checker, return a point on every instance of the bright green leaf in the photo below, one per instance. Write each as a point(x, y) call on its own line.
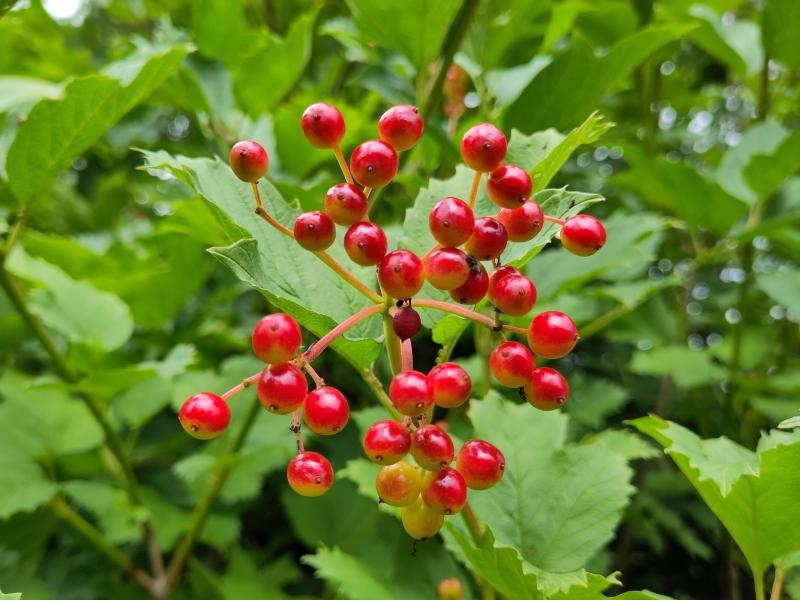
point(781, 21)
point(783, 287)
point(688, 368)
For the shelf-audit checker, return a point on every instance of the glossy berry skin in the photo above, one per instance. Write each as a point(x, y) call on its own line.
point(345, 203)
point(498, 274)
point(522, 223)
point(475, 287)
point(445, 491)
point(401, 126)
point(552, 334)
point(420, 521)
point(450, 385)
point(583, 235)
point(446, 268)
point(450, 588)
point(386, 442)
point(282, 388)
point(483, 147)
point(481, 464)
point(512, 364)
point(513, 294)
point(400, 274)
point(314, 231)
point(249, 161)
point(365, 243)
point(431, 447)
point(276, 338)
point(451, 221)
point(488, 239)
point(509, 186)
point(310, 474)
point(398, 484)
point(547, 389)
point(406, 323)
point(373, 163)
point(410, 393)
point(204, 416)
point(322, 125)
point(326, 411)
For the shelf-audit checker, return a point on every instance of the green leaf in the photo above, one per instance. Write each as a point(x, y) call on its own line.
point(56, 131)
point(17, 91)
point(781, 21)
point(244, 578)
point(117, 518)
point(688, 368)
point(4, 596)
point(735, 44)
point(766, 173)
point(23, 482)
point(593, 399)
point(353, 578)
point(783, 287)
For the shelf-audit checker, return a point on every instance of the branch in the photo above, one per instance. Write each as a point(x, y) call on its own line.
point(377, 387)
point(462, 311)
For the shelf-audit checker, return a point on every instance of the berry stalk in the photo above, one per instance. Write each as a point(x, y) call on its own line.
point(473, 193)
point(337, 152)
point(555, 220)
point(245, 383)
point(296, 429)
point(466, 313)
point(318, 381)
point(317, 347)
point(406, 356)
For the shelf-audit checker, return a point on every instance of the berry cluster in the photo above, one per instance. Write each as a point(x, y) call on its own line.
point(432, 489)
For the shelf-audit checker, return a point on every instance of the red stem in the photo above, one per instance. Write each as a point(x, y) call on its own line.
point(318, 381)
point(473, 193)
point(295, 427)
point(462, 311)
point(406, 356)
point(246, 383)
point(555, 220)
point(326, 340)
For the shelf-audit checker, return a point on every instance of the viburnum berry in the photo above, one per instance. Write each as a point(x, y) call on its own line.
point(406, 322)
point(400, 274)
point(410, 393)
point(483, 147)
point(583, 235)
point(481, 464)
point(204, 415)
point(450, 385)
point(431, 447)
point(523, 223)
point(488, 239)
point(276, 338)
point(509, 186)
point(386, 442)
point(398, 484)
point(282, 388)
point(451, 221)
point(474, 289)
point(552, 334)
point(373, 163)
point(365, 243)
point(547, 389)
point(401, 126)
point(498, 274)
point(445, 491)
point(512, 364)
point(450, 588)
point(513, 294)
point(322, 125)
point(310, 474)
point(314, 230)
point(346, 204)
point(420, 521)
point(446, 268)
point(326, 411)
point(249, 161)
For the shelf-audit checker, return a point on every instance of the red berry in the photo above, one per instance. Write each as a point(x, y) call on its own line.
point(400, 274)
point(310, 474)
point(547, 389)
point(475, 287)
point(401, 126)
point(447, 268)
point(346, 204)
point(365, 243)
point(322, 125)
point(509, 186)
point(386, 442)
point(583, 235)
point(498, 274)
point(373, 163)
point(451, 221)
point(410, 393)
point(483, 147)
point(276, 338)
point(445, 492)
point(512, 364)
point(481, 464)
point(314, 230)
point(420, 521)
point(523, 223)
point(406, 322)
point(488, 239)
point(204, 416)
point(450, 588)
point(450, 385)
point(282, 388)
point(326, 410)
point(513, 294)
point(398, 484)
point(431, 447)
point(552, 334)
point(249, 161)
